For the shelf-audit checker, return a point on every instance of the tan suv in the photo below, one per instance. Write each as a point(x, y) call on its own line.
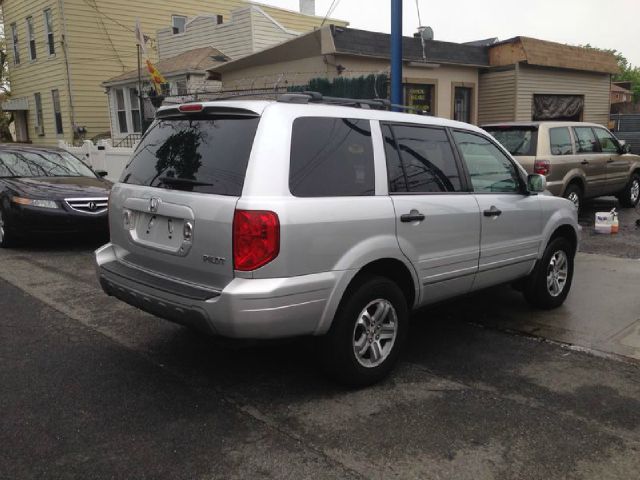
point(580, 160)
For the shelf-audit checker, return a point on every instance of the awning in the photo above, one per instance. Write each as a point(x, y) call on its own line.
point(15, 104)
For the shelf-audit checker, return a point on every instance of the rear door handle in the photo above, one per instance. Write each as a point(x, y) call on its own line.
point(584, 162)
point(412, 216)
point(611, 160)
point(492, 212)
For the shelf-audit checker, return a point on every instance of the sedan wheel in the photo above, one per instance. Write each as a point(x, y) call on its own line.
point(6, 239)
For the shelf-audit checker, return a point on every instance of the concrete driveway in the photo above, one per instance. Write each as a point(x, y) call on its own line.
point(92, 388)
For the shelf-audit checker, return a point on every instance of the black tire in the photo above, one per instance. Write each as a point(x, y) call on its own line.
point(574, 194)
point(7, 238)
point(536, 291)
point(631, 194)
point(337, 349)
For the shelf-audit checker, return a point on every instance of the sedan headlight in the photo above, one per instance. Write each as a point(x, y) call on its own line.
point(34, 203)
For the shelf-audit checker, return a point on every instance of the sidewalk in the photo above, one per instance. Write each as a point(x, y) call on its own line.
point(601, 313)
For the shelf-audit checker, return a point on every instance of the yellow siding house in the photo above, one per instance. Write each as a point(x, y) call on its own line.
point(60, 52)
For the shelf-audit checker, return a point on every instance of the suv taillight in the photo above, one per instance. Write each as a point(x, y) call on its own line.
point(542, 167)
point(256, 238)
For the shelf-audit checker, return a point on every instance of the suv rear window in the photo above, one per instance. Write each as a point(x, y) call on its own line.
point(518, 140)
point(200, 154)
point(331, 157)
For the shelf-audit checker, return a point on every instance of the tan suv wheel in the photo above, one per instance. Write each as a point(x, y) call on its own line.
point(574, 194)
point(631, 194)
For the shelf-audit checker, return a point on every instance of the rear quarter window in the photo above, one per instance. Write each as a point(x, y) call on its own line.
point(560, 141)
point(331, 157)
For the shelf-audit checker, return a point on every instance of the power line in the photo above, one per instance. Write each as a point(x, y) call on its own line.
point(332, 7)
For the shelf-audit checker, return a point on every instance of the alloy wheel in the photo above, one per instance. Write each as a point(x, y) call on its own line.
point(557, 273)
point(375, 333)
point(1, 227)
point(574, 198)
point(634, 191)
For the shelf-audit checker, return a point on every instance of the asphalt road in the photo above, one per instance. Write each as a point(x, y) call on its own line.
point(92, 388)
point(624, 244)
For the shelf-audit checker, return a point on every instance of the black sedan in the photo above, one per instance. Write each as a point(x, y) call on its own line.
point(49, 191)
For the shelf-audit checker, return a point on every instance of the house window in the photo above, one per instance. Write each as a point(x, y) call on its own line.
point(14, 41)
point(462, 104)
point(181, 87)
point(122, 111)
point(31, 37)
point(39, 117)
point(55, 97)
point(165, 89)
point(135, 110)
point(48, 29)
point(178, 22)
point(420, 97)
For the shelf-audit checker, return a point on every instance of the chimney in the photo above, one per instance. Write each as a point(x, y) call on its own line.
point(308, 7)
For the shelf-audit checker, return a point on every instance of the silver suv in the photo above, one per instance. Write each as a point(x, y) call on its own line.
point(265, 219)
point(579, 160)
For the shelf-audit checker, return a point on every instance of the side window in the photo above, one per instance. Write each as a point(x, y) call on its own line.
point(489, 168)
point(420, 159)
point(608, 143)
point(585, 140)
point(331, 157)
point(560, 141)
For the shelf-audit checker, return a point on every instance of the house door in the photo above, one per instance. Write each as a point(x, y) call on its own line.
point(462, 104)
point(21, 126)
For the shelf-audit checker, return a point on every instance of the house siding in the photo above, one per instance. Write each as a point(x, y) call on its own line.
point(42, 75)
point(497, 93)
point(100, 45)
point(540, 80)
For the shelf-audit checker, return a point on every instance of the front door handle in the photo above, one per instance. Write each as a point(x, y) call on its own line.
point(584, 162)
point(611, 160)
point(412, 216)
point(492, 212)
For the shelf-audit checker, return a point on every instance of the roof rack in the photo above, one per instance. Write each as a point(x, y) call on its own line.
point(306, 97)
point(316, 97)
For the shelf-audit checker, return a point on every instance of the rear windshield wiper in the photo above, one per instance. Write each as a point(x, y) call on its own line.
point(183, 182)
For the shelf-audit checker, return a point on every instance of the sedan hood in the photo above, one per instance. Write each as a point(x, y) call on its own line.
point(58, 188)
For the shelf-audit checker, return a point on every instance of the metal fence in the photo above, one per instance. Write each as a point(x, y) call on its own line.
point(627, 128)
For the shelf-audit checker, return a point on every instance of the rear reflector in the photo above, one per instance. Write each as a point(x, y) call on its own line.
point(191, 107)
point(542, 167)
point(256, 238)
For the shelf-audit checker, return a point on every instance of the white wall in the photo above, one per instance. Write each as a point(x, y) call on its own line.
point(101, 156)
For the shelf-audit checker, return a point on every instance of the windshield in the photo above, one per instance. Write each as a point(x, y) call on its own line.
point(199, 154)
point(519, 141)
point(45, 163)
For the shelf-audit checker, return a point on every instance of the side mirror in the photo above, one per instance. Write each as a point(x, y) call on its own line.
point(536, 183)
point(101, 173)
point(624, 147)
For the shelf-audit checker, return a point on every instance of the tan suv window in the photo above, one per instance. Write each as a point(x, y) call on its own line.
point(586, 140)
point(608, 143)
point(560, 141)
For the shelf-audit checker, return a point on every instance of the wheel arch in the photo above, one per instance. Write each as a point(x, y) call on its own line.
point(394, 269)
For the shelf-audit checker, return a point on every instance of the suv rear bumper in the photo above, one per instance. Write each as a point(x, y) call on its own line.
point(245, 308)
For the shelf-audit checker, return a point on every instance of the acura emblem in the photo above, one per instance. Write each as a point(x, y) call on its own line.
point(153, 204)
point(92, 206)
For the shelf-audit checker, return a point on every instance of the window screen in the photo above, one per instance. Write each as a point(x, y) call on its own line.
point(586, 140)
point(490, 170)
point(420, 159)
point(331, 157)
point(560, 141)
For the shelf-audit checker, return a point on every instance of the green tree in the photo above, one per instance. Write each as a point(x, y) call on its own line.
point(628, 72)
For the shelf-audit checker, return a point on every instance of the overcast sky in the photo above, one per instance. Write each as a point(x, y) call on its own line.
point(604, 24)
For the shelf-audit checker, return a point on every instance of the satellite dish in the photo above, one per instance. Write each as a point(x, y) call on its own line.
point(426, 33)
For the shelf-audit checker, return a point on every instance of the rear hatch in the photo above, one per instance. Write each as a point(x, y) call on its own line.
point(172, 212)
point(520, 140)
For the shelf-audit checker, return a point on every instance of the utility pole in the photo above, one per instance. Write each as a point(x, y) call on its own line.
point(396, 53)
point(141, 107)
